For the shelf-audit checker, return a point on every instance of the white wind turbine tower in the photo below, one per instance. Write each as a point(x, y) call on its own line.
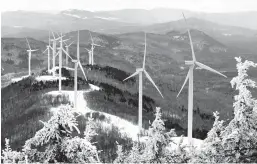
point(54, 51)
point(190, 88)
point(93, 45)
point(67, 50)
point(30, 50)
point(48, 53)
point(140, 72)
point(89, 56)
point(77, 63)
point(60, 61)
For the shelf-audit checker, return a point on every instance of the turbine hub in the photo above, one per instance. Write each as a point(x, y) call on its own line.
point(74, 61)
point(139, 69)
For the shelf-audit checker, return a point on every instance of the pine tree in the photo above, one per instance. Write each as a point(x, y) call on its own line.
point(237, 141)
point(239, 137)
point(211, 149)
point(54, 142)
point(9, 155)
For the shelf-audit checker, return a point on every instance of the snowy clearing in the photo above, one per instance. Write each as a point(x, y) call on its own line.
point(48, 78)
point(196, 142)
point(19, 78)
point(124, 126)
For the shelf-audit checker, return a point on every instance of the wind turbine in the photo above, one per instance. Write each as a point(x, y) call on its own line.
point(48, 53)
point(93, 45)
point(140, 72)
point(67, 50)
point(189, 77)
point(89, 56)
point(30, 50)
point(77, 63)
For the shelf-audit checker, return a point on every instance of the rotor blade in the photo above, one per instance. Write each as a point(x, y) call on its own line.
point(53, 34)
point(187, 77)
point(87, 49)
point(49, 38)
point(28, 43)
point(91, 37)
point(78, 47)
point(134, 74)
point(82, 70)
point(97, 45)
point(45, 50)
point(66, 53)
point(70, 44)
point(190, 38)
point(34, 50)
point(57, 34)
point(151, 80)
point(191, 44)
point(65, 40)
point(144, 52)
point(209, 68)
point(51, 47)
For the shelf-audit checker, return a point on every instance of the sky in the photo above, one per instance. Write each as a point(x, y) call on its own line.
point(98, 5)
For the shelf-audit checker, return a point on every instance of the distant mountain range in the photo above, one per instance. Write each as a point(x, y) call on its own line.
point(81, 19)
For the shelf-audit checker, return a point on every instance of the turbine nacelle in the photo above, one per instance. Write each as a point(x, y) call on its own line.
point(139, 69)
point(74, 61)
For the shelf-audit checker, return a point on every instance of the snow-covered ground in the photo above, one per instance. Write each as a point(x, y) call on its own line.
point(56, 68)
point(124, 126)
point(19, 78)
point(48, 78)
point(196, 142)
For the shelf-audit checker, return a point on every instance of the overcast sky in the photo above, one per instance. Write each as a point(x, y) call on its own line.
point(96, 5)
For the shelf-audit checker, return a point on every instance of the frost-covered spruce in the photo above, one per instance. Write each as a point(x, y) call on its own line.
point(239, 137)
point(236, 142)
point(54, 142)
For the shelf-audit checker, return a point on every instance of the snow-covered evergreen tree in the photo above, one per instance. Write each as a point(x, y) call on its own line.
point(211, 149)
point(236, 142)
point(153, 149)
point(120, 154)
point(81, 150)
point(10, 156)
point(239, 137)
point(54, 142)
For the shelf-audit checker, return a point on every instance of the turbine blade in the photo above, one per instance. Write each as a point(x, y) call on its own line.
point(82, 70)
point(144, 52)
point(78, 47)
point(70, 43)
point(49, 38)
point(187, 77)
point(97, 45)
point(134, 74)
point(34, 50)
point(53, 34)
point(28, 43)
point(65, 40)
point(87, 49)
point(190, 38)
point(45, 50)
point(209, 68)
point(66, 53)
point(191, 44)
point(51, 47)
point(91, 37)
point(151, 80)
